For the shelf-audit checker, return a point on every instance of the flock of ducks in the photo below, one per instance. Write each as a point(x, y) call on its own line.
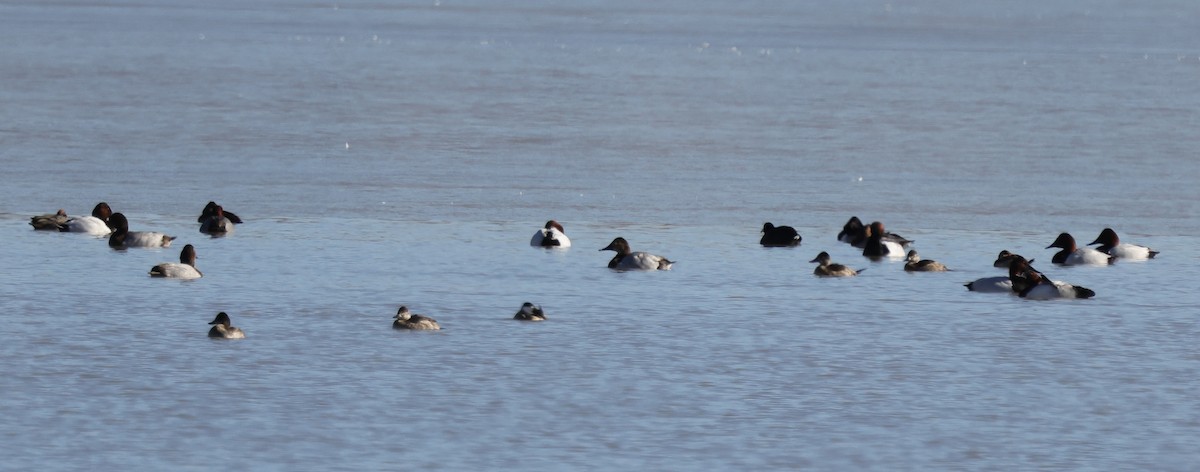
point(874, 240)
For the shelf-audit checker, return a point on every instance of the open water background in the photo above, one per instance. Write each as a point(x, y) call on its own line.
point(387, 153)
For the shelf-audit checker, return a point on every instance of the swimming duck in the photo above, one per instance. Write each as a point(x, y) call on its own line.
point(854, 233)
point(1070, 255)
point(49, 222)
point(829, 269)
point(222, 329)
point(780, 236)
point(1005, 259)
point(1043, 288)
point(878, 246)
point(217, 222)
point(528, 312)
point(1110, 244)
point(185, 269)
point(408, 320)
point(98, 224)
point(122, 237)
point(211, 208)
point(916, 264)
point(551, 235)
point(626, 260)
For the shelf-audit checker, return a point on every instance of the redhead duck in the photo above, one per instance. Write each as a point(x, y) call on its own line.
point(217, 222)
point(528, 312)
point(626, 260)
point(185, 269)
point(222, 330)
point(829, 269)
point(49, 222)
point(1110, 244)
point(779, 236)
point(551, 235)
point(211, 208)
point(122, 237)
point(98, 224)
point(408, 320)
point(1070, 255)
point(916, 264)
point(878, 246)
point(856, 234)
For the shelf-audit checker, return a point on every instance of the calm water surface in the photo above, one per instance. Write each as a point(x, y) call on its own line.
point(387, 154)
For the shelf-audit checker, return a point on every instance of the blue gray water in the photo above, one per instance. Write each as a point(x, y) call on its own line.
point(387, 153)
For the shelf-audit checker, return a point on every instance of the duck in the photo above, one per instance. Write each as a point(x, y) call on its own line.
point(854, 233)
point(222, 330)
point(122, 237)
point(1043, 288)
point(627, 260)
point(408, 320)
point(217, 223)
point(1005, 259)
point(916, 264)
point(98, 224)
point(1111, 244)
point(1070, 255)
point(184, 269)
point(211, 208)
point(550, 235)
point(877, 246)
point(779, 236)
point(829, 269)
point(1016, 265)
point(528, 312)
point(49, 222)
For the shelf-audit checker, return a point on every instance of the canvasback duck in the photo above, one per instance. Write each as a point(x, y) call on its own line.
point(1110, 244)
point(184, 269)
point(551, 235)
point(878, 246)
point(211, 208)
point(627, 260)
point(826, 268)
point(217, 223)
point(98, 224)
point(528, 312)
point(122, 237)
point(856, 234)
point(916, 264)
point(408, 320)
point(779, 236)
point(222, 330)
point(1017, 268)
point(50, 222)
point(1042, 288)
point(1071, 255)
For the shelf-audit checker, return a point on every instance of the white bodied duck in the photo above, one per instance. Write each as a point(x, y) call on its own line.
point(99, 223)
point(628, 260)
point(122, 237)
point(826, 268)
point(551, 235)
point(184, 269)
point(1110, 244)
point(408, 320)
point(1072, 255)
point(529, 312)
point(221, 328)
point(877, 245)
